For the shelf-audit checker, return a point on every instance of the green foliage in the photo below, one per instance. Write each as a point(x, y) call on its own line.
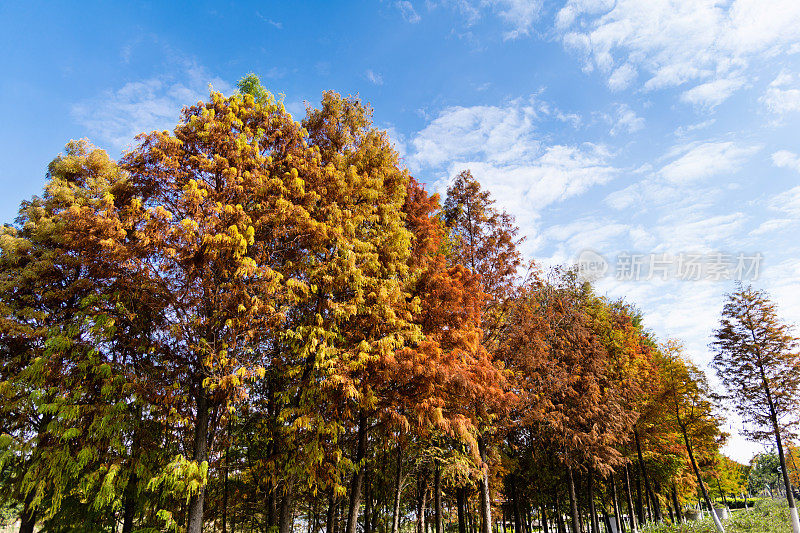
point(767, 516)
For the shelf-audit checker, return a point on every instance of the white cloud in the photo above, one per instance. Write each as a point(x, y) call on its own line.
point(626, 121)
point(373, 77)
point(787, 201)
point(712, 93)
point(705, 160)
point(779, 97)
point(519, 14)
point(494, 134)
point(500, 145)
point(116, 116)
point(676, 42)
point(622, 77)
point(772, 225)
point(407, 10)
point(682, 131)
point(786, 159)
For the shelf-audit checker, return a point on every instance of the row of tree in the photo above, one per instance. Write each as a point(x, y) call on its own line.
point(252, 323)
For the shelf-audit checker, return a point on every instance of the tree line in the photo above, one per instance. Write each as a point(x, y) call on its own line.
point(256, 324)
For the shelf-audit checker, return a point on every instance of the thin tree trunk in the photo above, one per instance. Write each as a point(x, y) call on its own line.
point(615, 503)
point(717, 523)
point(358, 476)
point(640, 514)
point(650, 494)
point(422, 502)
point(367, 501)
point(485, 499)
point(331, 514)
point(225, 491)
point(678, 514)
point(631, 512)
point(721, 493)
point(543, 519)
point(562, 528)
point(437, 499)
point(573, 502)
point(200, 454)
point(590, 496)
point(398, 480)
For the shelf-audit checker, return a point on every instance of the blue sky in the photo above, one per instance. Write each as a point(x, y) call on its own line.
point(630, 126)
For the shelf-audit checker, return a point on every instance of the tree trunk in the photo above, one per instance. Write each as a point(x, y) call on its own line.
point(518, 527)
point(286, 519)
point(573, 502)
point(398, 480)
point(331, 515)
point(462, 512)
point(437, 499)
point(225, 492)
point(485, 500)
point(590, 496)
point(129, 504)
point(543, 519)
point(358, 476)
point(27, 519)
point(562, 528)
point(617, 508)
point(200, 454)
point(676, 505)
point(367, 502)
point(631, 512)
point(422, 502)
point(715, 518)
point(719, 488)
point(650, 495)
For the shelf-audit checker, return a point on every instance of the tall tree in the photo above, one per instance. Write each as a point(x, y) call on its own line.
point(689, 396)
point(758, 361)
point(484, 239)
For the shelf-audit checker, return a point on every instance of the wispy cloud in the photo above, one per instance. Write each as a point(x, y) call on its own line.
point(626, 120)
point(407, 10)
point(373, 77)
point(786, 159)
point(116, 116)
point(274, 23)
point(705, 160)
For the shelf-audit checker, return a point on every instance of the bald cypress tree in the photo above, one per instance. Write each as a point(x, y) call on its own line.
point(757, 358)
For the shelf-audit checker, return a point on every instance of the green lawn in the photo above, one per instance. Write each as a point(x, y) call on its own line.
point(767, 517)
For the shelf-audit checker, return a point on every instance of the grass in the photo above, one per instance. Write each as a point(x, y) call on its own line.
point(766, 517)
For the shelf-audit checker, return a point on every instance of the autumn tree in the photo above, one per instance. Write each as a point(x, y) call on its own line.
point(484, 239)
point(693, 411)
point(757, 358)
point(70, 408)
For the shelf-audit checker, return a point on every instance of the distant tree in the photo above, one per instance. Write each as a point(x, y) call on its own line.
point(758, 362)
point(765, 473)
